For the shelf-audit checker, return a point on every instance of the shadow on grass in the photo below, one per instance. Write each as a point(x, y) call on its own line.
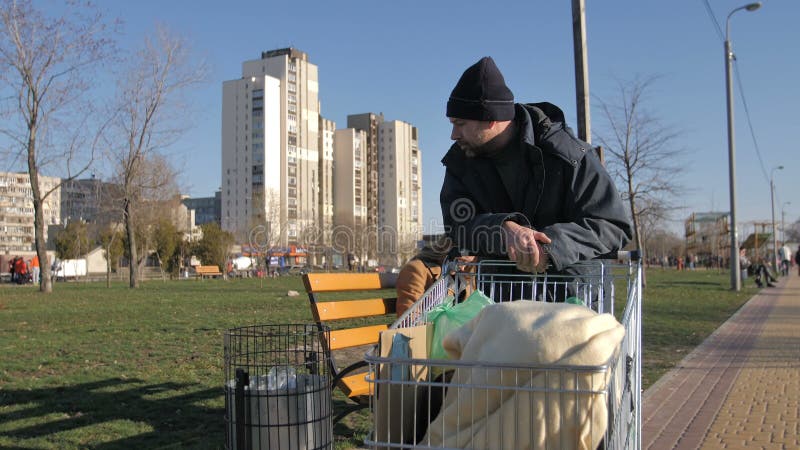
point(354, 426)
point(690, 283)
point(170, 410)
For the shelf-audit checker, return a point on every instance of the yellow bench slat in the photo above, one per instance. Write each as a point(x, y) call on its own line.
point(332, 282)
point(355, 385)
point(354, 337)
point(327, 312)
point(348, 309)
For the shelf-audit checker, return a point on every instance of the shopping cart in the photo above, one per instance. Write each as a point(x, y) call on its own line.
point(603, 399)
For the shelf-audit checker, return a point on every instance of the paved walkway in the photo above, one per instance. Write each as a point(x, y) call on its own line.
point(740, 388)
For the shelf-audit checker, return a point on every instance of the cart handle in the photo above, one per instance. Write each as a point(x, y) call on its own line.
point(622, 255)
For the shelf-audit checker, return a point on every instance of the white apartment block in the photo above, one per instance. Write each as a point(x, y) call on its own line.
point(350, 233)
point(270, 147)
point(326, 179)
point(400, 191)
point(369, 123)
point(17, 232)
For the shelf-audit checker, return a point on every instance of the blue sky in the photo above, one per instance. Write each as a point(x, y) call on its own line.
point(403, 58)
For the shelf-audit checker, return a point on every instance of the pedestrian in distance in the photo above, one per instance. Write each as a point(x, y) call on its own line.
point(785, 256)
point(763, 275)
point(797, 259)
point(35, 269)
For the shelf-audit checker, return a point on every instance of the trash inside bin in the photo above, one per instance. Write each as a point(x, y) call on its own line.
point(277, 389)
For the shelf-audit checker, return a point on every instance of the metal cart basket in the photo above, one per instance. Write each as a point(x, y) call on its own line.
point(566, 401)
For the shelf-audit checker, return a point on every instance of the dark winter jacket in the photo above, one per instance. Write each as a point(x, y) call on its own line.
point(569, 195)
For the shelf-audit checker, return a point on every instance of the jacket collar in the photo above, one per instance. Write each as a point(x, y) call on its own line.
point(533, 120)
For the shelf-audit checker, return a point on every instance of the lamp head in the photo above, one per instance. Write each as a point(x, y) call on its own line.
point(753, 6)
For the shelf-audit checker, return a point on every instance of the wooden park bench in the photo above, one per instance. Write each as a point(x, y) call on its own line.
point(207, 271)
point(334, 312)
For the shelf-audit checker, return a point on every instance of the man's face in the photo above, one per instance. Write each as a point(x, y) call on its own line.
point(472, 136)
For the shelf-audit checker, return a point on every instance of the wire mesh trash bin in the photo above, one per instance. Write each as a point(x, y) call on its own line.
point(277, 388)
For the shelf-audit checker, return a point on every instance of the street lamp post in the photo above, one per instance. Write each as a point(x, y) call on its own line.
point(736, 281)
point(772, 204)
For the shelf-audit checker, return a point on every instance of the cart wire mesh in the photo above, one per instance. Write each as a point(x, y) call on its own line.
point(588, 399)
point(277, 387)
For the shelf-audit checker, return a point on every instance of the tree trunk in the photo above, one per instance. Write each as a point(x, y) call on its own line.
point(46, 283)
point(131, 233)
point(637, 235)
point(161, 267)
point(108, 266)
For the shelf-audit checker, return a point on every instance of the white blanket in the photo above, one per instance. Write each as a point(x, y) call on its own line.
point(525, 332)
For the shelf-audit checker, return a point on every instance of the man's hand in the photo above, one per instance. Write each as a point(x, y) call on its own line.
point(524, 248)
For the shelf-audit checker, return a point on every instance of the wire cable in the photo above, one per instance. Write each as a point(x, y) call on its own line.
point(749, 121)
point(714, 20)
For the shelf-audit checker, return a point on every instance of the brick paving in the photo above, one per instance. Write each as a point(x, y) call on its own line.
point(740, 388)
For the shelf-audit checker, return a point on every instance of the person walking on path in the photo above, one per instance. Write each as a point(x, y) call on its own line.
point(797, 259)
point(785, 255)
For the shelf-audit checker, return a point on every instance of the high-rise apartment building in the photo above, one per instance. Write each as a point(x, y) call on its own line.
point(351, 234)
point(270, 148)
point(206, 209)
point(17, 232)
point(90, 200)
point(400, 191)
point(326, 181)
point(369, 122)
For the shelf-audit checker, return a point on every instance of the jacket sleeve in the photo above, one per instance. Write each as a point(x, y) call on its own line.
point(412, 281)
point(598, 221)
point(472, 230)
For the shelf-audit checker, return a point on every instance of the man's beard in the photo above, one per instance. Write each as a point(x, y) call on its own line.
point(472, 152)
point(487, 149)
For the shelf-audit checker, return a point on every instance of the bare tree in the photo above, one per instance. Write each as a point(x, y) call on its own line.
point(46, 68)
point(641, 154)
point(662, 244)
point(266, 230)
point(110, 238)
point(149, 195)
point(793, 231)
point(149, 117)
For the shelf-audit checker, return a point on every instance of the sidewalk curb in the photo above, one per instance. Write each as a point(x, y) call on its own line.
point(693, 354)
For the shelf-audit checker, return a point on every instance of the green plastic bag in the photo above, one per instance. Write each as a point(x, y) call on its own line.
point(447, 317)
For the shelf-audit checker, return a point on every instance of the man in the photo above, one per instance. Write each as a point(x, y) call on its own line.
point(785, 255)
point(763, 275)
point(797, 259)
point(519, 185)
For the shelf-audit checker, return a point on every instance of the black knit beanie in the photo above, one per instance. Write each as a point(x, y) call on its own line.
point(481, 94)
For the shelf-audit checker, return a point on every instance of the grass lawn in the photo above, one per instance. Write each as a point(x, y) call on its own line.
point(90, 366)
